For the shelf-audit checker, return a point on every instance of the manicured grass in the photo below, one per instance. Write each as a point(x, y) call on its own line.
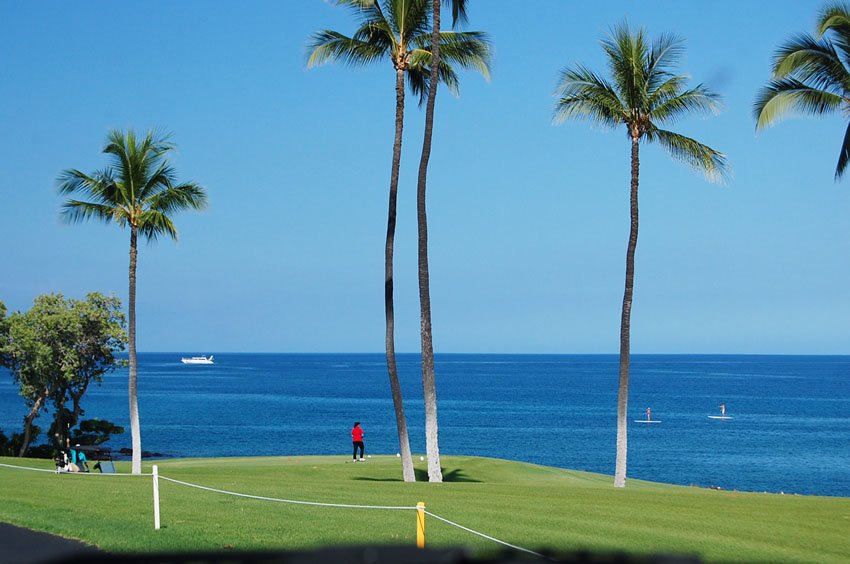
point(530, 506)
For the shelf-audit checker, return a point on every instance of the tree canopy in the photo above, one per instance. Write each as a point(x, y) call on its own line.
point(811, 75)
point(55, 351)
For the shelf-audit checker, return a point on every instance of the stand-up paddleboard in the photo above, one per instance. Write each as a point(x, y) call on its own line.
point(722, 413)
point(646, 421)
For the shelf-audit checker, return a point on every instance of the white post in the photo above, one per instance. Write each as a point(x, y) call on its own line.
point(155, 498)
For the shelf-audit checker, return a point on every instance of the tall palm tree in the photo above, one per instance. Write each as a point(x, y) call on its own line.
point(642, 94)
point(810, 75)
point(137, 190)
point(429, 386)
point(397, 30)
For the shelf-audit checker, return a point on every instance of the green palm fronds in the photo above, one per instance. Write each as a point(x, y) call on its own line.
point(642, 94)
point(400, 31)
point(138, 188)
point(811, 76)
point(690, 151)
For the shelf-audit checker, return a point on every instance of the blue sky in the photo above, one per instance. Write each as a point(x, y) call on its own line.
point(528, 220)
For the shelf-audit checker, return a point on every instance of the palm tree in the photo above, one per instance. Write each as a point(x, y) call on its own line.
point(439, 46)
point(397, 30)
point(642, 95)
point(810, 75)
point(137, 190)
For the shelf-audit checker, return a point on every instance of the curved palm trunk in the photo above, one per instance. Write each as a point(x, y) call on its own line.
point(625, 327)
point(134, 405)
point(401, 421)
point(435, 473)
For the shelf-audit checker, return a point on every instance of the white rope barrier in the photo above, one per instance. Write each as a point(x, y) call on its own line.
point(488, 537)
point(349, 506)
point(72, 473)
point(293, 501)
point(27, 468)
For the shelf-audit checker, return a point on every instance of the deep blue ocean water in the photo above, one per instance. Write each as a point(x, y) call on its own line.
point(790, 429)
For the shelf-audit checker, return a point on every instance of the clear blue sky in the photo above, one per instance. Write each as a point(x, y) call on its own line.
point(528, 220)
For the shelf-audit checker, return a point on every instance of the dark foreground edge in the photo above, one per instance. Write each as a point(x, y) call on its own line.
point(371, 555)
point(25, 546)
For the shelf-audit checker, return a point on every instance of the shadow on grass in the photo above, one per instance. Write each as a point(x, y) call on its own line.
point(456, 475)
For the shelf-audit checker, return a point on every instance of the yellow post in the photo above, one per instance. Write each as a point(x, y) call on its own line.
point(420, 524)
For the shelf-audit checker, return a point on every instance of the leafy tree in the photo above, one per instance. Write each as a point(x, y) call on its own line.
point(95, 432)
point(55, 351)
point(642, 95)
point(811, 76)
point(478, 56)
point(399, 31)
point(138, 190)
point(11, 446)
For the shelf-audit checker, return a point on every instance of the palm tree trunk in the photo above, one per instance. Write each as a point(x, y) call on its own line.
point(398, 403)
point(432, 447)
point(133, 389)
point(625, 327)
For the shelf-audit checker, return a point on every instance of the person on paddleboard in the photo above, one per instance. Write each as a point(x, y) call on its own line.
point(722, 409)
point(648, 414)
point(357, 440)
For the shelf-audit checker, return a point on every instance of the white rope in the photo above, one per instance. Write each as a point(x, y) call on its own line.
point(294, 501)
point(28, 468)
point(73, 473)
point(468, 530)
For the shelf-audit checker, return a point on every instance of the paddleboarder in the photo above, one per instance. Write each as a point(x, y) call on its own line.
point(357, 440)
point(648, 414)
point(722, 409)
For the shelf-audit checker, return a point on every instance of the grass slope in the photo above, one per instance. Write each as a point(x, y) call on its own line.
point(527, 505)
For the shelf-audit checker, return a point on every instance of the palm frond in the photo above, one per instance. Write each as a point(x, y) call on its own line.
point(458, 11)
point(188, 196)
point(378, 35)
point(664, 54)
point(814, 62)
point(419, 81)
point(628, 60)
point(834, 21)
point(409, 18)
point(670, 104)
point(583, 94)
point(779, 98)
point(364, 9)
point(118, 148)
point(469, 50)
point(326, 46)
point(76, 211)
point(73, 181)
point(843, 156)
point(833, 16)
point(701, 157)
point(153, 223)
point(448, 77)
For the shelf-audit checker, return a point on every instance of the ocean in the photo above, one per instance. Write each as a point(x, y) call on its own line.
point(789, 429)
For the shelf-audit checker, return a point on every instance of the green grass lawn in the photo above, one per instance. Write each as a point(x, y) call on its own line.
point(530, 506)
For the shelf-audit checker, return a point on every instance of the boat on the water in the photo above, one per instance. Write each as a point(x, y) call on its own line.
point(197, 360)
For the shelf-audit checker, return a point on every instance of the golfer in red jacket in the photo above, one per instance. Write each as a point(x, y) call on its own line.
point(357, 440)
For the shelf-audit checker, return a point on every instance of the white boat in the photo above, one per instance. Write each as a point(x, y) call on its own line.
point(197, 360)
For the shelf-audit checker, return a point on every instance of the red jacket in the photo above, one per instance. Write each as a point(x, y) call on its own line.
point(357, 434)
